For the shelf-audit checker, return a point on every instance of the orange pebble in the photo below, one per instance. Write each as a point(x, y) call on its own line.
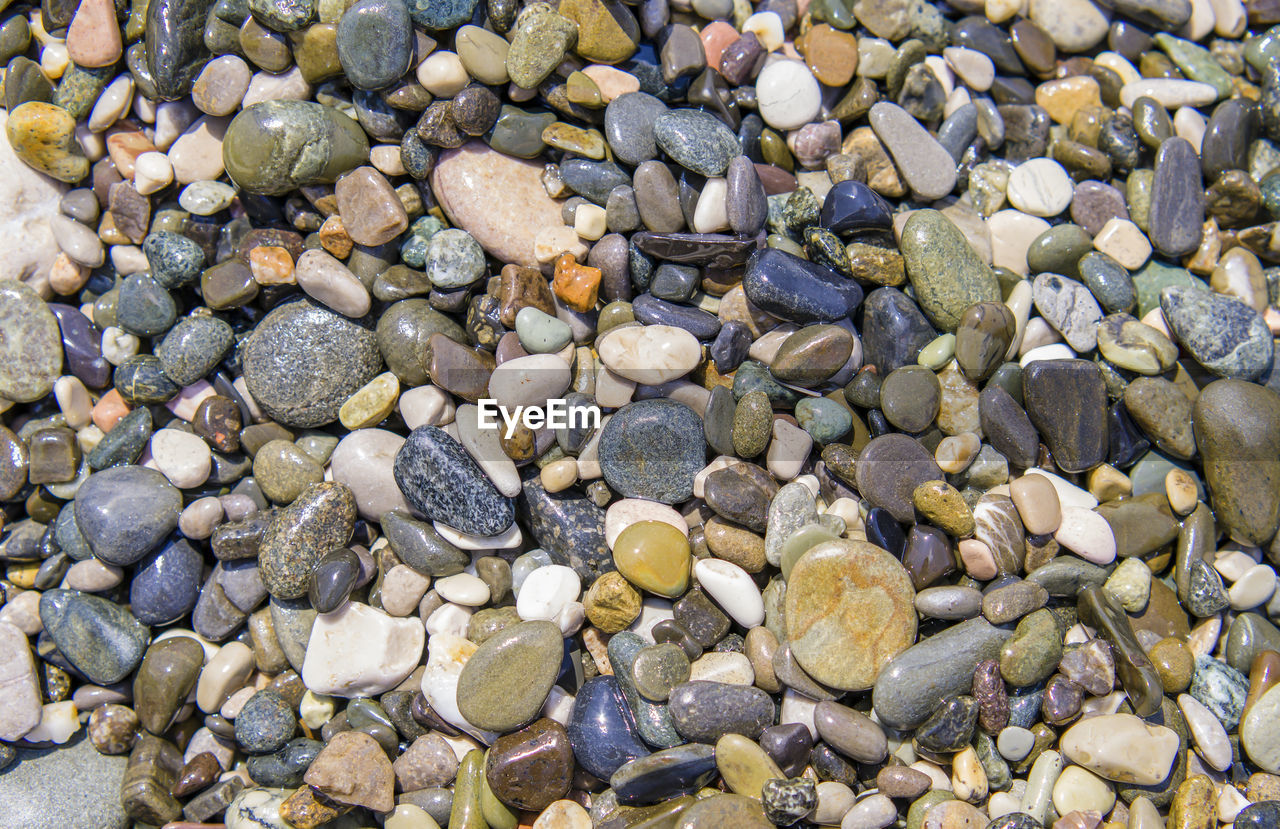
point(715, 37)
point(125, 142)
point(334, 237)
point(578, 286)
point(271, 265)
point(109, 410)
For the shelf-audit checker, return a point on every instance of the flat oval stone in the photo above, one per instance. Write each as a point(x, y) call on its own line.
point(696, 140)
point(30, 344)
point(926, 165)
point(166, 584)
point(363, 460)
point(277, 146)
point(652, 449)
point(850, 608)
point(441, 481)
point(303, 361)
point(126, 511)
point(910, 687)
point(664, 774)
point(705, 711)
point(1237, 431)
point(1176, 222)
point(946, 273)
point(375, 43)
point(798, 290)
point(166, 677)
point(506, 681)
point(98, 637)
point(498, 199)
point(1225, 335)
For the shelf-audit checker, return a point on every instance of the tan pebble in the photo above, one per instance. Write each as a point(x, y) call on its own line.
point(93, 38)
point(968, 779)
point(67, 276)
point(1106, 483)
point(979, 561)
point(1124, 242)
point(1037, 503)
point(559, 475)
point(1180, 489)
point(226, 672)
point(956, 452)
point(563, 814)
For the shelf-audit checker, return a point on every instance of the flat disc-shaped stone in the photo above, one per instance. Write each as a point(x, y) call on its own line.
point(506, 681)
point(652, 449)
point(30, 344)
point(849, 610)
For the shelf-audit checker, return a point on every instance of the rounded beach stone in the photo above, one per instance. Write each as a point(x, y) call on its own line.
point(652, 449)
point(850, 608)
point(303, 361)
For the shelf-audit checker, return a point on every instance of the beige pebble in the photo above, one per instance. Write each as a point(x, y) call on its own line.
point(1106, 483)
point(443, 74)
point(1124, 242)
point(409, 816)
point(1087, 534)
point(330, 283)
point(226, 672)
point(1180, 489)
point(979, 562)
point(1253, 588)
point(402, 589)
point(372, 403)
point(1012, 233)
point(73, 400)
point(1122, 747)
point(93, 576)
point(558, 476)
point(968, 779)
point(788, 450)
point(589, 222)
point(1078, 789)
point(152, 172)
point(563, 814)
point(1037, 503)
point(197, 154)
point(611, 81)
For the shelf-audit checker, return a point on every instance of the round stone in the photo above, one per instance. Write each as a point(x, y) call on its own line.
point(850, 608)
point(654, 556)
point(303, 361)
point(652, 449)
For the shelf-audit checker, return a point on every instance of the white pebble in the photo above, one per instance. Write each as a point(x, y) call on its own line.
point(1040, 187)
point(732, 588)
point(787, 94)
point(152, 172)
point(181, 457)
point(546, 591)
point(464, 589)
point(1087, 534)
point(118, 345)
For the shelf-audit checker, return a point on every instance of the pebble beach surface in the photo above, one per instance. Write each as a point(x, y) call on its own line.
point(921, 466)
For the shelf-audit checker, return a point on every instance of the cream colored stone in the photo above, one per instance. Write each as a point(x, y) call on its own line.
point(1124, 242)
point(1122, 747)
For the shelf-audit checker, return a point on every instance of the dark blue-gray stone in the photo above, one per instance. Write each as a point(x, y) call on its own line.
point(1262, 815)
point(125, 442)
point(568, 525)
point(284, 768)
point(798, 290)
point(696, 140)
point(144, 307)
point(593, 180)
point(706, 711)
point(652, 449)
point(629, 126)
point(650, 310)
point(851, 205)
point(194, 347)
point(375, 42)
point(1108, 281)
point(126, 511)
point(99, 638)
point(664, 774)
point(174, 259)
point(265, 723)
point(167, 584)
point(175, 50)
point(438, 15)
point(303, 361)
point(1224, 335)
point(601, 729)
point(441, 481)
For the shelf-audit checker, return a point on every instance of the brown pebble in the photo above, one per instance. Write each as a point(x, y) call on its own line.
point(902, 781)
point(197, 774)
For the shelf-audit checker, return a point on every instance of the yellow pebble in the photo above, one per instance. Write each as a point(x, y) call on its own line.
point(371, 403)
